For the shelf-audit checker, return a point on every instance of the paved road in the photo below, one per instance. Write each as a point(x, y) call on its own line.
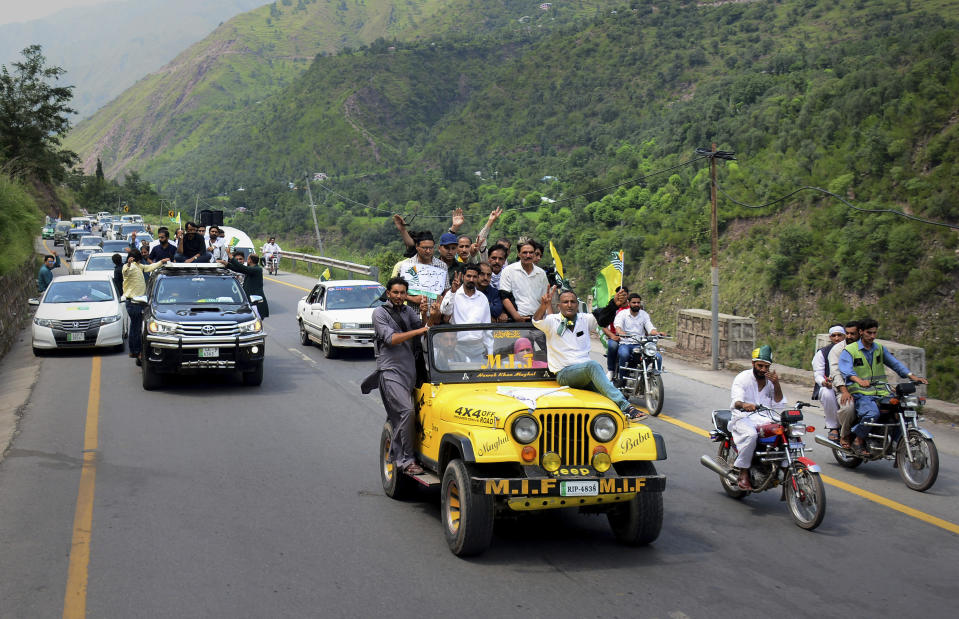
point(213, 499)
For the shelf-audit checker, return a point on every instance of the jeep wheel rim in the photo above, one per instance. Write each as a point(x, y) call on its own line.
point(453, 507)
point(387, 463)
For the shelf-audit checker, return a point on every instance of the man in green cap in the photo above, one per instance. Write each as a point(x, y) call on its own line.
point(753, 388)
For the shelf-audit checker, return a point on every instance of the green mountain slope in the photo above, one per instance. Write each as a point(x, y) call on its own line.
point(857, 97)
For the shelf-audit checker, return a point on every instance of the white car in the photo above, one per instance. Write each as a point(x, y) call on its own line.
point(79, 257)
point(99, 263)
point(79, 311)
point(339, 314)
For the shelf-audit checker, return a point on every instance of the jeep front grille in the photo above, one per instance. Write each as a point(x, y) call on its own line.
point(566, 434)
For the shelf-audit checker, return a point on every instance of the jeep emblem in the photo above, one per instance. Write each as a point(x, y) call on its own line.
point(208, 330)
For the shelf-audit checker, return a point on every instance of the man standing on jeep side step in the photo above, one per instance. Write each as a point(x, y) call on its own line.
point(397, 329)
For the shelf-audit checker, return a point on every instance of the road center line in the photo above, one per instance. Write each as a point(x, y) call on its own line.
point(836, 483)
point(287, 284)
point(75, 598)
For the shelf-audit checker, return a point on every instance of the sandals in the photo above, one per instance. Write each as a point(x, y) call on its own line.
point(846, 442)
point(635, 414)
point(833, 435)
point(413, 469)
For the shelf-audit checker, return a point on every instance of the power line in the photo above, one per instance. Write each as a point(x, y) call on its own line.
point(844, 201)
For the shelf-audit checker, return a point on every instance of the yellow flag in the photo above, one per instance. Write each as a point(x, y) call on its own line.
point(556, 260)
point(326, 275)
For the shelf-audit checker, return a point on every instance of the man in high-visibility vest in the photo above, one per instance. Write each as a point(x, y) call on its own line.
point(863, 365)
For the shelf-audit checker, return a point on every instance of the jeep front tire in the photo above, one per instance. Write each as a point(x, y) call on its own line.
point(466, 515)
point(638, 522)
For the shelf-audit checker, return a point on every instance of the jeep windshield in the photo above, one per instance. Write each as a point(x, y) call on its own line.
point(198, 289)
point(353, 297)
point(479, 353)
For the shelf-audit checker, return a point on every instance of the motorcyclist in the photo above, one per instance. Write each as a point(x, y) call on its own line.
point(634, 323)
point(863, 365)
point(270, 251)
point(758, 386)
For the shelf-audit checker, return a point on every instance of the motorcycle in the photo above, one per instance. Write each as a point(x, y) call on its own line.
point(640, 378)
point(896, 436)
point(272, 264)
point(779, 460)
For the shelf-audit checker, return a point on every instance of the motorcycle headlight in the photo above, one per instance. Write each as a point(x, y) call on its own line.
point(797, 429)
point(109, 319)
point(346, 325)
point(911, 401)
point(254, 326)
point(42, 322)
point(525, 429)
point(650, 349)
point(603, 428)
point(161, 328)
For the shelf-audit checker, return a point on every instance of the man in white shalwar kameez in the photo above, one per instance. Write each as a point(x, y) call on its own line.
point(751, 389)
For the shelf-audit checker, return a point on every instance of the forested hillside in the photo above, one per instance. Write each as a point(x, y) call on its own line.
point(857, 97)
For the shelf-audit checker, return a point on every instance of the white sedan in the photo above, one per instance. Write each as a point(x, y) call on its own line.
point(79, 311)
point(339, 314)
point(79, 257)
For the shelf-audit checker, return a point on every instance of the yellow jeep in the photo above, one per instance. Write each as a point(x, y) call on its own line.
point(496, 433)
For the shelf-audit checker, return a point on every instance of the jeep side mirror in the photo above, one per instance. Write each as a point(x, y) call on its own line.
point(255, 298)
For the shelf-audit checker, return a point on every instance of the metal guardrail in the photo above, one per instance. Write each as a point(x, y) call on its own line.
point(351, 267)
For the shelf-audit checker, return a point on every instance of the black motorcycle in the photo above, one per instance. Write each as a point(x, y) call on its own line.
point(896, 435)
point(640, 379)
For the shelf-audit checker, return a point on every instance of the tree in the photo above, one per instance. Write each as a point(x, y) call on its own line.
point(33, 119)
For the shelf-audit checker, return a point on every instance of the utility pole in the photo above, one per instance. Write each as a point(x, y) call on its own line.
point(714, 268)
point(196, 207)
point(316, 226)
point(713, 155)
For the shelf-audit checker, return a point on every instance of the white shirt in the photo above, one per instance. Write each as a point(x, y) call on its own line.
point(466, 309)
point(271, 248)
point(834, 372)
point(403, 265)
point(220, 249)
point(572, 346)
point(636, 326)
point(527, 288)
point(745, 389)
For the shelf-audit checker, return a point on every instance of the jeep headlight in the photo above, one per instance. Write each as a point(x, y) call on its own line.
point(161, 328)
point(346, 325)
point(254, 326)
point(525, 429)
point(42, 322)
point(603, 428)
point(106, 320)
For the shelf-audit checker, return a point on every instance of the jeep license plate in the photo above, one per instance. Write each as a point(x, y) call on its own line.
point(206, 353)
point(76, 337)
point(578, 488)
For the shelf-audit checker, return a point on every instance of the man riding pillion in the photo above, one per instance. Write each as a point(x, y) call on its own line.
point(634, 323)
point(568, 345)
point(863, 365)
point(751, 389)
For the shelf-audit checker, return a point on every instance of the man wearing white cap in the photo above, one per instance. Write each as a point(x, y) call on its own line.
point(753, 388)
point(824, 390)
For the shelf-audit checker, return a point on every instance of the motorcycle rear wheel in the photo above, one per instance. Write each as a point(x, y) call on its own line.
point(846, 460)
point(727, 454)
point(921, 474)
point(806, 497)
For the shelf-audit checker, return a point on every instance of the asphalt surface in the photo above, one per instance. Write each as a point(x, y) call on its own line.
point(217, 500)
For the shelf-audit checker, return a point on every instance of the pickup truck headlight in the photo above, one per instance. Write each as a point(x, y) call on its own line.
point(525, 429)
point(254, 326)
point(109, 319)
point(603, 428)
point(346, 325)
point(42, 322)
point(160, 327)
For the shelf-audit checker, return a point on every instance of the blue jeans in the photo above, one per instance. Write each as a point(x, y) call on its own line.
point(867, 409)
point(611, 357)
point(590, 375)
point(135, 311)
point(625, 350)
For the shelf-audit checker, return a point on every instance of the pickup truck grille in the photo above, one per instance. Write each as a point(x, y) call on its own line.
point(75, 325)
point(207, 329)
point(566, 434)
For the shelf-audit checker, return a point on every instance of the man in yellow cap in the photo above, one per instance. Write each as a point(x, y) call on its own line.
point(753, 388)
